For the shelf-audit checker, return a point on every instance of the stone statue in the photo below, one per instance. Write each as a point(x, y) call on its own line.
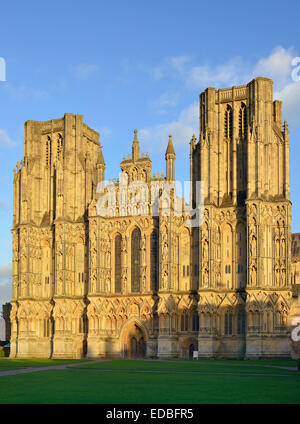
point(205, 249)
point(277, 248)
point(282, 247)
point(253, 275)
point(165, 251)
point(283, 276)
point(277, 275)
point(205, 278)
point(165, 279)
point(253, 246)
point(143, 249)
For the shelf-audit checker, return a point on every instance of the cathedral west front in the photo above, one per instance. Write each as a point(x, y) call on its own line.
point(130, 283)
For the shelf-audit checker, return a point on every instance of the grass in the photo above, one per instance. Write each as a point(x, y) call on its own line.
point(276, 362)
point(7, 364)
point(156, 382)
point(187, 367)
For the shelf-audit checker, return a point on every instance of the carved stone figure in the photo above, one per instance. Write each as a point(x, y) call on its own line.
point(253, 275)
point(253, 246)
point(277, 248)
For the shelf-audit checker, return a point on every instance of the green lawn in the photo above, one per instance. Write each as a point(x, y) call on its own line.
point(277, 362)
point(12, 364)
point(153, 382)
point(187, 367)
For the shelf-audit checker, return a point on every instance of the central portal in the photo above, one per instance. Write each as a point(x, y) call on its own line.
point(133, 342)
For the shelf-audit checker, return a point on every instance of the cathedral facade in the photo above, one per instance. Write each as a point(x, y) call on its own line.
point(134, 283)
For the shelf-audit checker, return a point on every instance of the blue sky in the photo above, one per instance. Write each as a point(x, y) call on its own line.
point(136, 64)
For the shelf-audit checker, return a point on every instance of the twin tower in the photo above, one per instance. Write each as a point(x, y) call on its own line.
point(136, 285)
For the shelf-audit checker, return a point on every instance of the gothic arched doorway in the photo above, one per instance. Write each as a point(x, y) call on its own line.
point(191, 351)
point(134, 348)
point(188, 346)
point(133, 342)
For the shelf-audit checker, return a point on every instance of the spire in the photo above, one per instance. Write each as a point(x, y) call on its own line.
point(100, 159)
point(135, 147)
point(100, 165)
point(193, 141)
point(170, 160)
point(170, 149)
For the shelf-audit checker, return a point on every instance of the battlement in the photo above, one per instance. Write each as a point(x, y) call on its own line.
point(36, 133)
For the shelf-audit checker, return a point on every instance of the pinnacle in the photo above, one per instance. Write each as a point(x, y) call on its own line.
point(170, 148)
point(100, 160)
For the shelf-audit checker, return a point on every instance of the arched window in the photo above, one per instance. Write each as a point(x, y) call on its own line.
point(243, 121)
point(241, 323)
point(228, 123)
point(195, 321)
point(135, 260)
point(154, 260)
point(59, 146)
point(227, 269)
point(195, 270)
point(228, 323)
point(48, 151)
point(118, 241)
point(184, 321)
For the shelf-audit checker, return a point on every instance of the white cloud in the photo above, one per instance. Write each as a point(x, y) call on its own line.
point(179, 62)
point(2, 69)
point(290, 97)
point(235, 71)
point(277, 66)
point(4, 206)
point(5, 293)
point(232, 72)
point(5, 138)
point(181, 129)
point(5, 272)
point(85, 70)
point(157, 73)
point(203, 75)
point(23, 92)
point(5, 284)
point(105, 132)
point(165, 100)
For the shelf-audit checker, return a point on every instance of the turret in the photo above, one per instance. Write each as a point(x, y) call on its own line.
point(135, 147)
point(100, 166)
point(170, 159)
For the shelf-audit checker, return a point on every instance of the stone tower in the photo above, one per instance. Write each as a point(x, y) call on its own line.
point(244, 260)
point(52, 188)
point(170, 160)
